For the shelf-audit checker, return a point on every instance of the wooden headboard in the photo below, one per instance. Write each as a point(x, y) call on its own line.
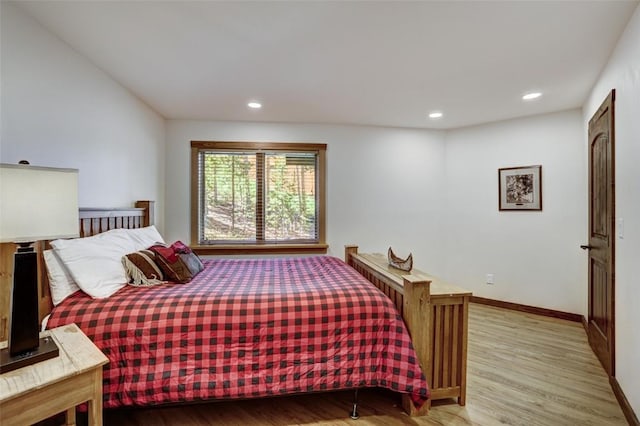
point(92, 221)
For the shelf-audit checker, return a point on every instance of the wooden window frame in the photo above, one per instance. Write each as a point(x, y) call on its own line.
point(259, 247)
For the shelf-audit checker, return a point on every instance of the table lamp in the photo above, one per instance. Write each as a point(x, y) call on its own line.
point(36, 203)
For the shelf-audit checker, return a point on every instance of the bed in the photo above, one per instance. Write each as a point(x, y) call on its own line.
point(243, 328)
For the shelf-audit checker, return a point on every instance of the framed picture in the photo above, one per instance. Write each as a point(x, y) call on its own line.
point(520, 188)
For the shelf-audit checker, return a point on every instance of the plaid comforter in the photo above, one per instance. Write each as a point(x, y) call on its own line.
point(248, 328)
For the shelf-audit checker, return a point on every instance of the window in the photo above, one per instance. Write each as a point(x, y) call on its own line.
point(266, 197)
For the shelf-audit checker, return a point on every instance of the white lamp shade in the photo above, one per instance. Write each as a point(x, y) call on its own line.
point(37, 203)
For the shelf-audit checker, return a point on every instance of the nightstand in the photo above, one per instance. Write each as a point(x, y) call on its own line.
point(39, 391)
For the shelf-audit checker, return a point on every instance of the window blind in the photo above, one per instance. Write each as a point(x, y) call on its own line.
point(257, 196)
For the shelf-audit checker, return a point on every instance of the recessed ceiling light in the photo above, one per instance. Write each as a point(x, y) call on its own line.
point(435, 115)
point(254, 105)
point(532, 95)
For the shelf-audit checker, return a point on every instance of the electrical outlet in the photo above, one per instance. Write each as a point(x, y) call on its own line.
point(489, 279)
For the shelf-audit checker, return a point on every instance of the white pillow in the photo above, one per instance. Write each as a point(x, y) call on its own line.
point(144, 238)
point(95, 262)
point(61, 282)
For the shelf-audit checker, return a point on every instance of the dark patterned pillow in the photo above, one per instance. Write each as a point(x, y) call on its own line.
point(178, 263)
point(142, 268)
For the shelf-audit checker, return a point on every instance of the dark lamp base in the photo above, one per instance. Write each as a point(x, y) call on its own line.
point(47, 350)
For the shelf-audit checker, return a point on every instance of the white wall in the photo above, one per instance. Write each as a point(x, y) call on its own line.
point(623, 74)
point(384, 187)
point(59, 110)
point(534, 256)
point(436, 194)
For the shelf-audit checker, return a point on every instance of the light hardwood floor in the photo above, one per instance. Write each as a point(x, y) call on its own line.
point(523, 369)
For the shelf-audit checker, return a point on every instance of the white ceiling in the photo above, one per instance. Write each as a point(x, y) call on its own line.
point(352, 62)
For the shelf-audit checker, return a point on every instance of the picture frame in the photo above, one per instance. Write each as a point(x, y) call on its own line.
point(520, 188)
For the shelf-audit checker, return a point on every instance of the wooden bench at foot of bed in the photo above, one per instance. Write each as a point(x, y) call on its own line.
point(436, 314)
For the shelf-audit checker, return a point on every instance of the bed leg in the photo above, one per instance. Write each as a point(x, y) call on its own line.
point(354, 412)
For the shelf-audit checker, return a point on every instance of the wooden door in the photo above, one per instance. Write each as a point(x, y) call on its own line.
point(601, 321)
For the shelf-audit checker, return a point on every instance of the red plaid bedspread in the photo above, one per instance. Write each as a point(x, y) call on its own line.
point(248, 328)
